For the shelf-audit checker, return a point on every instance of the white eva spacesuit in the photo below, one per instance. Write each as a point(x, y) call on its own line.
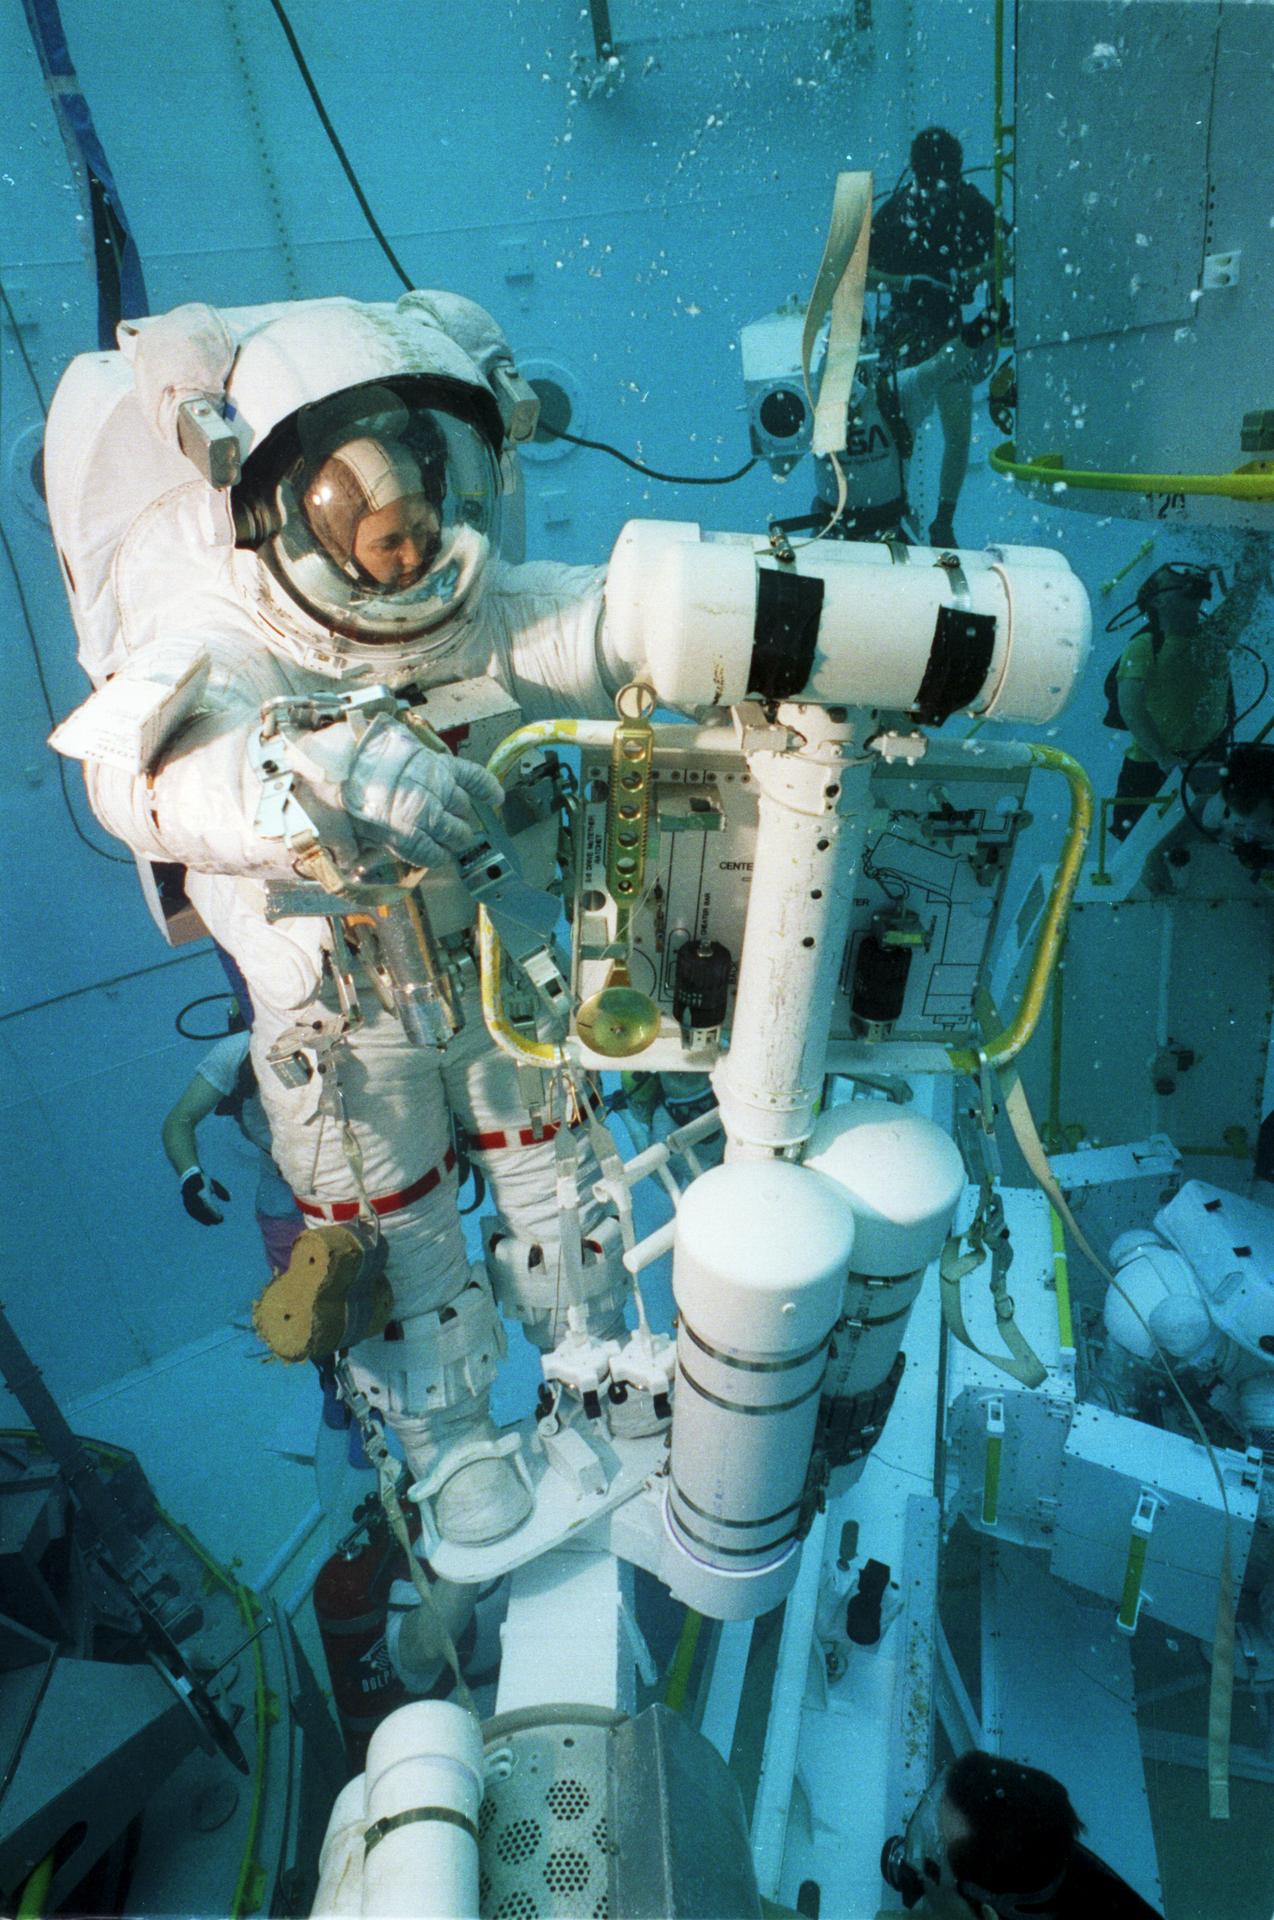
point(358, 549)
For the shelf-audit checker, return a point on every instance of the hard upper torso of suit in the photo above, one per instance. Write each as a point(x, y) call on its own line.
point(530, 631)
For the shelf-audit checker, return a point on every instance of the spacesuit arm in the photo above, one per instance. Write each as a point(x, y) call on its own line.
point(191, 793)
point(197, 802)
point(552, 646)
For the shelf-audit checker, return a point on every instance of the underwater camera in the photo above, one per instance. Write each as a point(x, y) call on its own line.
point(779, 417)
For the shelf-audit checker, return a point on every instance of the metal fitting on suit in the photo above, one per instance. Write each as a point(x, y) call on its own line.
point(533, 1285)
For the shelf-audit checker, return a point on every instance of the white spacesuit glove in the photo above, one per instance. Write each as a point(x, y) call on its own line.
point(413, 800)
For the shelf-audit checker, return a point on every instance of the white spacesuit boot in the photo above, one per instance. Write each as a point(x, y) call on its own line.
point(279, 531)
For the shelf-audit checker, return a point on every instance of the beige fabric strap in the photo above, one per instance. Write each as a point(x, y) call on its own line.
point(387, 1474)
point(1022, 1363)
point(838, 290)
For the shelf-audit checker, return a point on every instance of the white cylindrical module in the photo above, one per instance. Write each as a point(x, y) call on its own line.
point(903, 1177)
point(340, 1883)
point(805, 864)
point(424, 1789)
point(759, 1266)
point(689, 614)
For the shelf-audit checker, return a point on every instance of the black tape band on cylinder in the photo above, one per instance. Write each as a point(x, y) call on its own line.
point(959, 658)
point(789, 607)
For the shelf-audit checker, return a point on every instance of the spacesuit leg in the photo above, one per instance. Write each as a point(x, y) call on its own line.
point(550, 1244)
point(430, 1372)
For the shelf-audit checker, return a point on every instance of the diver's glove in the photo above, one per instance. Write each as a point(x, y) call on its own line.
point(194, 1187)
point(413, 800)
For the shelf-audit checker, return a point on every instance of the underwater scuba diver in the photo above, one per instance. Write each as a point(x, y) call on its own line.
point(358, 551)
point(996, 1840)
point(932, 245)
point(887, 406)
point(225, 1083)
point(1170, 687)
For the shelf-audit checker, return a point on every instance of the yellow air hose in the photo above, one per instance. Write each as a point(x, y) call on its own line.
point(1255, 482)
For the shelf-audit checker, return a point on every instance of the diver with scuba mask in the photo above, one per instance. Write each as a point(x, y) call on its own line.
point(996, 1840)
point(1170, 688)
point(932, 244)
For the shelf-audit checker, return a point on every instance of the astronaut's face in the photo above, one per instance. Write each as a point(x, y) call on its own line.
point(396, 545)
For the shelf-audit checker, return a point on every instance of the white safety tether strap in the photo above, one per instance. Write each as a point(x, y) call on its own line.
point(988, 1233)
point(838, 290)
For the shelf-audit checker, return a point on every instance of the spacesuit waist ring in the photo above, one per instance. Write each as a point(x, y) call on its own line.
point(382, 1203)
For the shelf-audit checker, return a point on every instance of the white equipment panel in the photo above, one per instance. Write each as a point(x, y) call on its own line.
point(927, 892)
point(1108, 1460)
point(1144, 270)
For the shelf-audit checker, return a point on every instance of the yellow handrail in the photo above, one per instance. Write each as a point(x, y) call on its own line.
point(999, 130)
point(997, 1052)
point(538, 733)
point(1062, 1281)
point(1009, 1043)
point(35, 1892)
point(1247, 484)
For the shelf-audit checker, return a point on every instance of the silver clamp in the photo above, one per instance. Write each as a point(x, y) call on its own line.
point(320, 837)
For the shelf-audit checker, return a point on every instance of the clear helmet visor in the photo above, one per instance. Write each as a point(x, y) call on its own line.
point(385, 515)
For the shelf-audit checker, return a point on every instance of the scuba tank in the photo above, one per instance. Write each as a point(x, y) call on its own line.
point(351, 1605)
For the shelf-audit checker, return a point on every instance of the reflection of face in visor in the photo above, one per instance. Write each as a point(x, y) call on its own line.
point(368, 506)
point(388, 516)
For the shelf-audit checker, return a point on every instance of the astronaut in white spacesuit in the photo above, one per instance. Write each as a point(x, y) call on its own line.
point(358, 549)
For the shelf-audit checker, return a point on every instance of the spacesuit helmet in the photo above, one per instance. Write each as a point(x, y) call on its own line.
point(374, 511)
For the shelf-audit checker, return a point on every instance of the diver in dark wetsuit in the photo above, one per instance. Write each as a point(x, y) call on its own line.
point(932, 245)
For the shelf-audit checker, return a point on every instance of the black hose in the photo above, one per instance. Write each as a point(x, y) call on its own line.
point(651, 473)
point(338, 149)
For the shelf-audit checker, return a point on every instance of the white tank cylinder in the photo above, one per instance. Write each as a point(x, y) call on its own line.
point(903, 1177)
point(424, 1789)
point(682, 610)
point(340, 1885)
point(759, 1264)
